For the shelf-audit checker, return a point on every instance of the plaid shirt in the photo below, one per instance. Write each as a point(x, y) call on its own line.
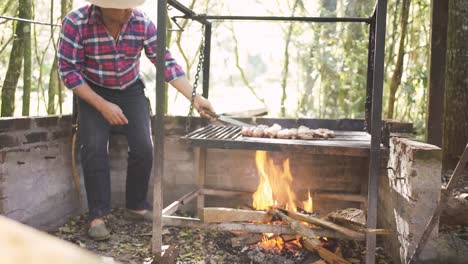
point(88, 51)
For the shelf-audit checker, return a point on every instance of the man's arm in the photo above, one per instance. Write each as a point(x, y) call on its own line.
point(200, 103)
point(174, 73)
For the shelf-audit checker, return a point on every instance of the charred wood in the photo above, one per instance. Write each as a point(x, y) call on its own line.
point(310, 240)
point(221, 215)
point(324, 223)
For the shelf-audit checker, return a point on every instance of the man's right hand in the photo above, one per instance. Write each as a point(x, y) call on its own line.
point(112, 113)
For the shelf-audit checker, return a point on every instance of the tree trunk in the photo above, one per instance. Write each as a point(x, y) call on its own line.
point(284, 77)
point(55, 86)
point(53, 76)
point(396, 78)
point(456, 84)
point(327, 70)
point(25, 7)
point(13, 72)
point(436, 81)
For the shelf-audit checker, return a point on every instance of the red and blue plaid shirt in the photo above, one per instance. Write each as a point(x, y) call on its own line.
point(88, 51)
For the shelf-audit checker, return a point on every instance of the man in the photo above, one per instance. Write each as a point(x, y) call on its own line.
point(99, 52)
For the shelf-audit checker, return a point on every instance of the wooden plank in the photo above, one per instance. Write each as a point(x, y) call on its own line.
point(158, 138)
point(201, 162)
point(173, 207)
point(244, 227)
point(310, 239)
point(317, 221)
point(221, 215)
point(225, 193)
point(339, 197)
point(349, 216)
point(315, 195)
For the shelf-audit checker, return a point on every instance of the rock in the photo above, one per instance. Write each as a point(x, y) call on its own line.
point(447, 249)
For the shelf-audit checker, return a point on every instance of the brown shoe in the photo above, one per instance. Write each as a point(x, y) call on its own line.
point(99, 232)
point(136, 217)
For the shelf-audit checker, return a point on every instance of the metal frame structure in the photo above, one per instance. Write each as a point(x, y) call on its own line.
point(373, 114)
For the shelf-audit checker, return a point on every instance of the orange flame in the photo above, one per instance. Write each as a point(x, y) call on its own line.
point(276, 243)
point(274, 188)
point(308, 205)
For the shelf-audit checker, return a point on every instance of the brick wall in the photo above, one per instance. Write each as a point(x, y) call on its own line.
point(35, 171)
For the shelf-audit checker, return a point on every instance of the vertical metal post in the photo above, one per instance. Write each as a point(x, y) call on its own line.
point(370, 75)
point(158, 163)
point(201, 162)
point(374, 164)
point(206, 61)
point(202, 151)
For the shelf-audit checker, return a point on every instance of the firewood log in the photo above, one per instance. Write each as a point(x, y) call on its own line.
point(317, 221)
point(309, 239)
point(350, 217)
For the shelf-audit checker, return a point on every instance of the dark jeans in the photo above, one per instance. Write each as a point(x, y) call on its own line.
point(94, 133)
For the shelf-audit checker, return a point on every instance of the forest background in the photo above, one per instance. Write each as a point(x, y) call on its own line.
point(295, 69)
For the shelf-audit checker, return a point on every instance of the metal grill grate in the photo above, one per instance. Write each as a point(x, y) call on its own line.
point(216, 132)
point(352, 143)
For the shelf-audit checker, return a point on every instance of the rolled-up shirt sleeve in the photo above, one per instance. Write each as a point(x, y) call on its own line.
point(70, 55)
point(173, 69)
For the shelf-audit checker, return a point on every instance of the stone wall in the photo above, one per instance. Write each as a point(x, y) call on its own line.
point(36, 184)
point(408, 194)
point(35, 170)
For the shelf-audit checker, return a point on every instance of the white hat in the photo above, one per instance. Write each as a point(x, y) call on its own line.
point(119, 4)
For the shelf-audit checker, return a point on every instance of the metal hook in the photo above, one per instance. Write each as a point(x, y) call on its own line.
point(174, 19)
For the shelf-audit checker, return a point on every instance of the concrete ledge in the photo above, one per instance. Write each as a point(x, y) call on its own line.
point(409, 193)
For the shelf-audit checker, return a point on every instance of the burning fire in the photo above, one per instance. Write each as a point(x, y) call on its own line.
point(271, 242)
point(308, 205)
point(274, 189)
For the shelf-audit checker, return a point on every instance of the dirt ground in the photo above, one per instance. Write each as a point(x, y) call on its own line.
point(130, 243)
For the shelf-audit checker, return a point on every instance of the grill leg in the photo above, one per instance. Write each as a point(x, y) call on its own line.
point(201, 179)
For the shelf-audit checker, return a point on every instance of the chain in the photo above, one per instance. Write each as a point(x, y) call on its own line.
point(201, 58)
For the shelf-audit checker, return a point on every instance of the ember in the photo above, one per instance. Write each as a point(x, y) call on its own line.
point(278, 244)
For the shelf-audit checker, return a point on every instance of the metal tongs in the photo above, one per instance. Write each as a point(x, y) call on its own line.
point(226, 119)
